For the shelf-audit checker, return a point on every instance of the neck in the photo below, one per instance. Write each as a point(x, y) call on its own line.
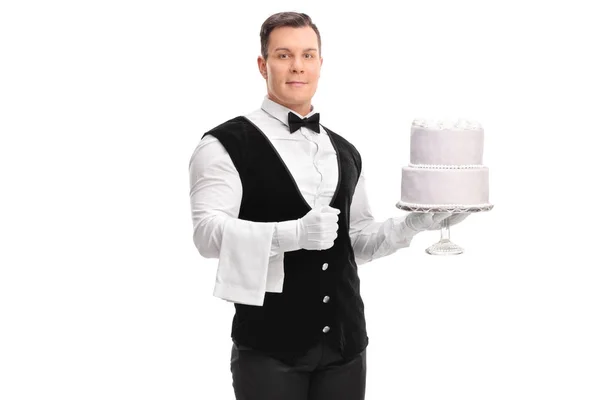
point(302, 109)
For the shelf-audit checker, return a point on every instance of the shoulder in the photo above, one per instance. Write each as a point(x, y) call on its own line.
point(233, 126)
point(344, 144)
point(235, 136)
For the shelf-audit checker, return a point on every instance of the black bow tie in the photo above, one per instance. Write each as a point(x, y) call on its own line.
point(295, 122)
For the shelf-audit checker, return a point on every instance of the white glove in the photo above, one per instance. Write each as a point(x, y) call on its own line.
point(318, 228)
point(419, 222)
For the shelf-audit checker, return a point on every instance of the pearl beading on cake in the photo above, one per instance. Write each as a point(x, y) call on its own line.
point(440, 166)
point(441, 124)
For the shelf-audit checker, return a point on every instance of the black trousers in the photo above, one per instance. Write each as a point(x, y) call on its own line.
point(321, 374)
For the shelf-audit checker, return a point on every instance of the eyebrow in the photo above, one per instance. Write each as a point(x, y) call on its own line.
point(285, 48)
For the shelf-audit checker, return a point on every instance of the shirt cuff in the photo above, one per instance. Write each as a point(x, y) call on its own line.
point(286, 235)
point(396, 236)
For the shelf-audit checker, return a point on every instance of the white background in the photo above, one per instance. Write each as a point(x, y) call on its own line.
point(102, 292)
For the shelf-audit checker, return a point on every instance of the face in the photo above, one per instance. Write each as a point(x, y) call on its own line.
point(292, 68)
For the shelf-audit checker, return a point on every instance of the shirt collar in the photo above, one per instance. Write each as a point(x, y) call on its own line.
point(280, 112)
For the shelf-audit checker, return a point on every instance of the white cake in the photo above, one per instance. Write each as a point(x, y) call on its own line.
point(446, 166)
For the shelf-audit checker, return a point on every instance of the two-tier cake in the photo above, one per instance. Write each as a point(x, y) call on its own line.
point(446, 171)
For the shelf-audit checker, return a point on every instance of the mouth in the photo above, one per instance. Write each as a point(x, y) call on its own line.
point(296, 83)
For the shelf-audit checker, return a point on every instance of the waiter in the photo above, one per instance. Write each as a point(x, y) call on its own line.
point(280, 200)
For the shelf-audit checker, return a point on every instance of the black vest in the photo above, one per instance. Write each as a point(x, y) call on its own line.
point(289, 323)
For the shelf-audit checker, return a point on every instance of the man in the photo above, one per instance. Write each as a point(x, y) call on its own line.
point(280, 199)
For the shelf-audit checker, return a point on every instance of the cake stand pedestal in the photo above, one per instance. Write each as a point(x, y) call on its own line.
point(444, 246)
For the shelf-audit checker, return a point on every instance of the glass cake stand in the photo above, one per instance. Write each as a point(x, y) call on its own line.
point(444, 246)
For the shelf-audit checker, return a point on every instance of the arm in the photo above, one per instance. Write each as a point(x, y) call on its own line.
point(215, 196)
point(372, 239)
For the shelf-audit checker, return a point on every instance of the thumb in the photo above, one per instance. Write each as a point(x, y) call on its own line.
point(327, 209)
point(419, 221)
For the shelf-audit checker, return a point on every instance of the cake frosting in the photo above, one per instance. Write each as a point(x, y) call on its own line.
point(446, 165)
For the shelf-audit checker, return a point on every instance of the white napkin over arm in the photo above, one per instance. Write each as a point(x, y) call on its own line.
point(250, 262)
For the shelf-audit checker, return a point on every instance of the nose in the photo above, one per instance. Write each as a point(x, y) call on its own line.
point(297, 65)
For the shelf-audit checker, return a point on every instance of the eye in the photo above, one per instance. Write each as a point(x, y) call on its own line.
point(282, 56)
point(308, 55)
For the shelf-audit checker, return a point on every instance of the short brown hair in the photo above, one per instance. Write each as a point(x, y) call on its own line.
point(293, 19)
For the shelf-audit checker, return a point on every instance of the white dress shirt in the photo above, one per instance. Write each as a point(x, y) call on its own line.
point(251, 253)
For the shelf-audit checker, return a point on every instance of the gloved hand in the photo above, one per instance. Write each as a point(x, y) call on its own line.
point(318, 228)
point(419, 222)
point(398, 232)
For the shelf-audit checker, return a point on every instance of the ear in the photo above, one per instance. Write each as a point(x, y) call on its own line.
point(262, 66)
point(320, 66)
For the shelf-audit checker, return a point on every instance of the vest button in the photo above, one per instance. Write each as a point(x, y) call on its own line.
point(326, 329)
point(325, 299)
point(325, 266)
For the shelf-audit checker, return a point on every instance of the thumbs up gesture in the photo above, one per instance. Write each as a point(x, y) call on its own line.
point(318, 228)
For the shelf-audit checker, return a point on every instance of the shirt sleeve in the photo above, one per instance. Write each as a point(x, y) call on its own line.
point(250, 261)
point(372, 239)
